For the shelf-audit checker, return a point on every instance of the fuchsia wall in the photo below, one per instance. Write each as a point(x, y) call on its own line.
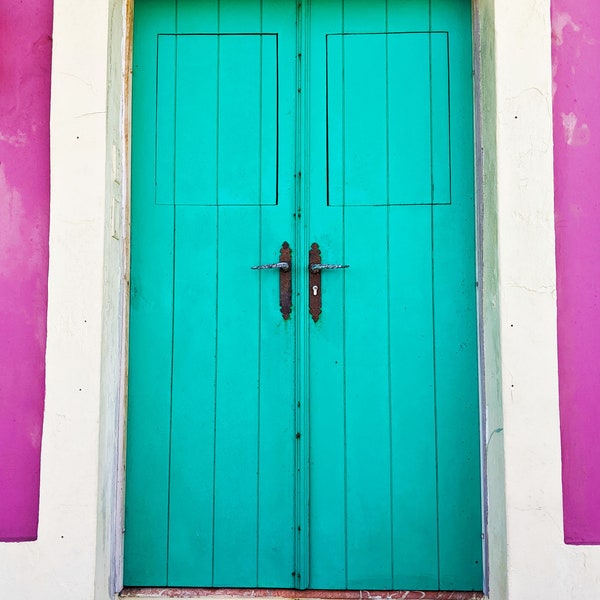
point(25, 50)
point(576, 63)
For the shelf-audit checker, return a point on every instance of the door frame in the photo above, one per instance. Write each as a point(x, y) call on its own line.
point(88, 300)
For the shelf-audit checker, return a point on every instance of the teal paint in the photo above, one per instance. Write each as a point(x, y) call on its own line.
point(270, 453)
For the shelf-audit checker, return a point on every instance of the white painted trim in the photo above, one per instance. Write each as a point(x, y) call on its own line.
point(479, 202)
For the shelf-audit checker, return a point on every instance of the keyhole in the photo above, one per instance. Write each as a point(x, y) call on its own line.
point(315, 289)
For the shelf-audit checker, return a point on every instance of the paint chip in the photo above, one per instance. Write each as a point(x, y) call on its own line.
point(575, 135)
point(590, 41)
point(560, 21)
point(17, 141)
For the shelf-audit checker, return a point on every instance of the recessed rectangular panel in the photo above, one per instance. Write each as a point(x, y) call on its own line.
point(388, 119)
point(217, 121)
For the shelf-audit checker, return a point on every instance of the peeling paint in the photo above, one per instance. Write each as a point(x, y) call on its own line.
point(590, 40)
point(560, 21)
point(17, 140)
point(12, 222)
point(575, 135)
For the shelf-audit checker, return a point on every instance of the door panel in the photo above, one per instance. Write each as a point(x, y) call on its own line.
point(393, 356)
point(371, 69)
point(222, 119)
point(150, 328)
point(222, 414)
point(459, 487)
point(263, 452)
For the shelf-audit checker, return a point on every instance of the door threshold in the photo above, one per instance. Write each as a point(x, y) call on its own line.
point(151, 593)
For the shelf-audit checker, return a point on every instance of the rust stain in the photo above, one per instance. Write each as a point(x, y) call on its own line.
point(314, 283)
point(285, 281)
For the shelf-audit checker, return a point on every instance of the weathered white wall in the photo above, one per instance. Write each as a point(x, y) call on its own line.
point(76, 556)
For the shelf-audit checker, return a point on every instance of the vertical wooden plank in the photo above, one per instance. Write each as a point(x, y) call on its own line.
point(192, 443)
point(269, 119)
point(336, 143)
point(149, 399)
point(369, 518)
point(276, 444)
point(409, 99)
point(440, 119)
point(197, 58)
point(365, 233)
point(325, 352)
point(237, 400)
point(455, 326)
point(237, 386)
point(414, 488)
point(239, 152)
point(365, 308)
point(195, 313)
point(301, 216)
point(365, 94)
point(414, 481)
point(165, 118)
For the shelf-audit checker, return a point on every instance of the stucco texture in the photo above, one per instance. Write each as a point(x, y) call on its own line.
point(25, 52)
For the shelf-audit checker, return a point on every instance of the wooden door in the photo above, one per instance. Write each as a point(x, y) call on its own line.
point(272, 452)
point(211, 436)
point(394, 446)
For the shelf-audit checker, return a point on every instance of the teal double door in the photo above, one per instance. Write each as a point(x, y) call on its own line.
point(338, 452)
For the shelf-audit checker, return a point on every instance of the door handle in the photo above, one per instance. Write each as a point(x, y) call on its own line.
point(284, 266)
point(318, 266)
point(314, 280)
point(285, 278)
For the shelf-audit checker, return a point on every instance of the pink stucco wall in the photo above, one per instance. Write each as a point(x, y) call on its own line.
point(576, 62)
point(25, 50)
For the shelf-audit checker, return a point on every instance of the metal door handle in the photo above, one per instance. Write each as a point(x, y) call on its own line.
point(285, 266)
point(318, 266)
point(285, 278)
point(314, 280)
